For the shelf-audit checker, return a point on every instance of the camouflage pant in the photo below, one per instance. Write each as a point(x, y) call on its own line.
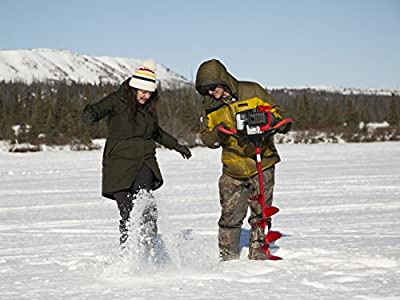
point(235, 197)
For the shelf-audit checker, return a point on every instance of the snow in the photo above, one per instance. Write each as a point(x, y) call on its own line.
point(375, 125)
point(342, 90)
point(339, 215)
point(43, 64)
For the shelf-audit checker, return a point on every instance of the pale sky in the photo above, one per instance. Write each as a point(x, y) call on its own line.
point(342, 43)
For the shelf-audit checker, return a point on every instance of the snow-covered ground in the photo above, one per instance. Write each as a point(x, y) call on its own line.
point(340, 216)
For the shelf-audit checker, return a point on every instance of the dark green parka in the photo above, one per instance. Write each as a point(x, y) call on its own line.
point(133, 131)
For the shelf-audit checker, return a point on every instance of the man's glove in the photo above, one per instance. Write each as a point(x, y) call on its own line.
point(285, 128)
point(184, 151)
point(221, 134)
point(89, 115)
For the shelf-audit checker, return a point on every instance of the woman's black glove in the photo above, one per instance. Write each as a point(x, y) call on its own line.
point(89, 115)
point(184, 151)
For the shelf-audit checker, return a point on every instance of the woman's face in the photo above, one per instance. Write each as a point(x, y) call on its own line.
point(142, 96)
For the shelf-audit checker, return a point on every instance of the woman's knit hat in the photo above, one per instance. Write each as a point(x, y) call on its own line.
point(144, 77)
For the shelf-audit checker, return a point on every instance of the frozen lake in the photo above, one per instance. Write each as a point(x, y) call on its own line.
point(340, 212)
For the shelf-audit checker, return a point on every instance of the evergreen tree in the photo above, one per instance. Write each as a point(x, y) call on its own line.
point(302, 114)
point(50, 126)
point(351, 115)
point(333, 116)
point(6, 121)
point(3, 121)
point(393, 117)
point(37, 119)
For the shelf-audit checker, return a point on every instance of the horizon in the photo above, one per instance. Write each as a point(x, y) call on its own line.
point(346, 45)
point(331, 88)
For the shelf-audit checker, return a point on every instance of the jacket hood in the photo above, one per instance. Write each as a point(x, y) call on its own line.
point(213, 72)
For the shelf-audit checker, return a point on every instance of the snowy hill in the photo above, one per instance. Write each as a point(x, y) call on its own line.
point(51, 64)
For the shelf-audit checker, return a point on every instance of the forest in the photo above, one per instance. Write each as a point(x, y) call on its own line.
point(49, 114)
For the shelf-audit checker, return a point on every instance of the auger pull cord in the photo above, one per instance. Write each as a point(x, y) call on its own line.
point(256, 127)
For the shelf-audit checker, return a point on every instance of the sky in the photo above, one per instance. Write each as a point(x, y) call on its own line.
point(341, 43)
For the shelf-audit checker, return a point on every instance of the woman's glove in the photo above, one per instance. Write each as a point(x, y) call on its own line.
point(184, 151)
point(89, 115)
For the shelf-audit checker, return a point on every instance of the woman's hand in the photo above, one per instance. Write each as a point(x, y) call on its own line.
point(89, 115)
point(184, 151)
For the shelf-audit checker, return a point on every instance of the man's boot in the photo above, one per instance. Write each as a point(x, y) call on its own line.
point(257, 240)
point(228, 242)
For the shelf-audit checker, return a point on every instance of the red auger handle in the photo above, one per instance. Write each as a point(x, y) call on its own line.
point(233, 132)
point(283, 122)
point(229, 131)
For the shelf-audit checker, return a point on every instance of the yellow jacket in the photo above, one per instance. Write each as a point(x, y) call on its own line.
point(238, 157)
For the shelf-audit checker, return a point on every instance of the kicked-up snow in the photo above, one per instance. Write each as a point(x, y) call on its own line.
point(340, 213)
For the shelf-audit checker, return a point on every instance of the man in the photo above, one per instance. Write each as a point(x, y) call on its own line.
point(226, 96)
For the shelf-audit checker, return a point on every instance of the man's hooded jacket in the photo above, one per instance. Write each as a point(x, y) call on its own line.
point(238, 156)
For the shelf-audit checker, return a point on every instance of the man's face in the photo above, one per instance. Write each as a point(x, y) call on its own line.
point(142, 96)
point(216, 92)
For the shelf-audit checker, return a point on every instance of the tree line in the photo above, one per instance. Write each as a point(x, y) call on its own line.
point(49, 113)
point(347, 115)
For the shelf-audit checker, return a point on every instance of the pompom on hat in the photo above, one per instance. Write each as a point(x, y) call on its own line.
point(144, 77)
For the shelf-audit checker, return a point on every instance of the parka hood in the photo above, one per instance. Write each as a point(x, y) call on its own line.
point(213, 72)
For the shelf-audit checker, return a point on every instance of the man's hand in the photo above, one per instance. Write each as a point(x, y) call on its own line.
point(221, 134)
point(284, 128)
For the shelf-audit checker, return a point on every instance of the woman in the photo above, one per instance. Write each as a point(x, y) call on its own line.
point(129, 161)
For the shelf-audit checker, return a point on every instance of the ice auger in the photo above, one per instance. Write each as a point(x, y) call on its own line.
point(255, 125)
